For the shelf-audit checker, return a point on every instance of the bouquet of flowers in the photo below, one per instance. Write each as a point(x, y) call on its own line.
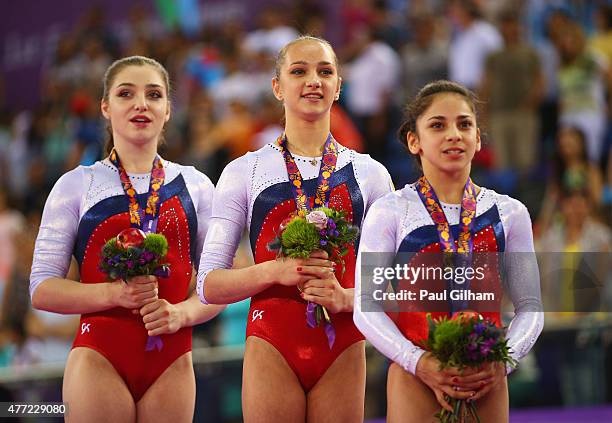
point(134, 253)
point(465, 340)
point(301, 234)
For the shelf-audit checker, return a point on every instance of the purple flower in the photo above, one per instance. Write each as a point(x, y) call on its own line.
point(162, 271)
point(486, 346)
point(323, 242)
point(479, 328)
point(331, 224)
point(472, 345)
point(147, 256)
point(141, 261)
point(130, 264)
point(323, 232)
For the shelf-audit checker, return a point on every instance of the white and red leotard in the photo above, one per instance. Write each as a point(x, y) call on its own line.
point(86, 208)
point(400, 223)
point(254, 193)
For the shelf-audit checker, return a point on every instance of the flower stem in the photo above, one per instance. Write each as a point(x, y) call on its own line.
point(326, 314)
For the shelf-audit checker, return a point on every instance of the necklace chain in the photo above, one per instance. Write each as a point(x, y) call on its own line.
point(308, 158)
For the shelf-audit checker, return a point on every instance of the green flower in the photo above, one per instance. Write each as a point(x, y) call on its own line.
point(156, 243)
point(299, 239)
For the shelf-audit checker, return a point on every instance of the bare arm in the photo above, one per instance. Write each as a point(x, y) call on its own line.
point(194, 312)
point(65, 296)
point(224, 286)
point(70, 297)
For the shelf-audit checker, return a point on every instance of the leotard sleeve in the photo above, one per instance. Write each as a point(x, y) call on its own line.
point(204, 211)
point(227, 221)
point(378, 235)
point(522, 283)
point(378, 182)
point(58, 229)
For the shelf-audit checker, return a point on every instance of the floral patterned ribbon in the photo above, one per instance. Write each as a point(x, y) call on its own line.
point(143, 219)
point(328, 165)
point(465, 243)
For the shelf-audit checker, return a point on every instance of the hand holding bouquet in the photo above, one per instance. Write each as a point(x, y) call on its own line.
point(465, 340)
point(320, 229)
point(133, 253)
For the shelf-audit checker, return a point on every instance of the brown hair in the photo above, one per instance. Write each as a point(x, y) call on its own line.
point(424, 99)
point(280, 58)
point(112, 72)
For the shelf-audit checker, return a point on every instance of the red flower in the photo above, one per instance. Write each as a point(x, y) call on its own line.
point(131, 237)
point(466, 315)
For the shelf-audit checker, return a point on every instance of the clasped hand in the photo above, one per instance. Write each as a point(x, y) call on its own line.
point(470, 384)
point(140, 294)
point(316, 280)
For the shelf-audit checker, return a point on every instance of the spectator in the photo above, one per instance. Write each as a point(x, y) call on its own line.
point(11, 224)
point(583, 83)
point(425, 58)
point(512, 88)
point(371, 77)
point(474, 40)
point(572, 171)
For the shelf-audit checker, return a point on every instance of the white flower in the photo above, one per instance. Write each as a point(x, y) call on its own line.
point(317, 218)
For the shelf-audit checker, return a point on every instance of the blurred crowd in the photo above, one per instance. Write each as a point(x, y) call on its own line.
point(542, 68)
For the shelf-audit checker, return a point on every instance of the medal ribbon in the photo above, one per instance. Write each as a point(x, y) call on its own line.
point(465, 242)
point(143, 219)
point(328, 165)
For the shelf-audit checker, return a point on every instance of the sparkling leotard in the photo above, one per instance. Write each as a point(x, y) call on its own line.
point(87, 207)
point(254, 193)
point(399, 223)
